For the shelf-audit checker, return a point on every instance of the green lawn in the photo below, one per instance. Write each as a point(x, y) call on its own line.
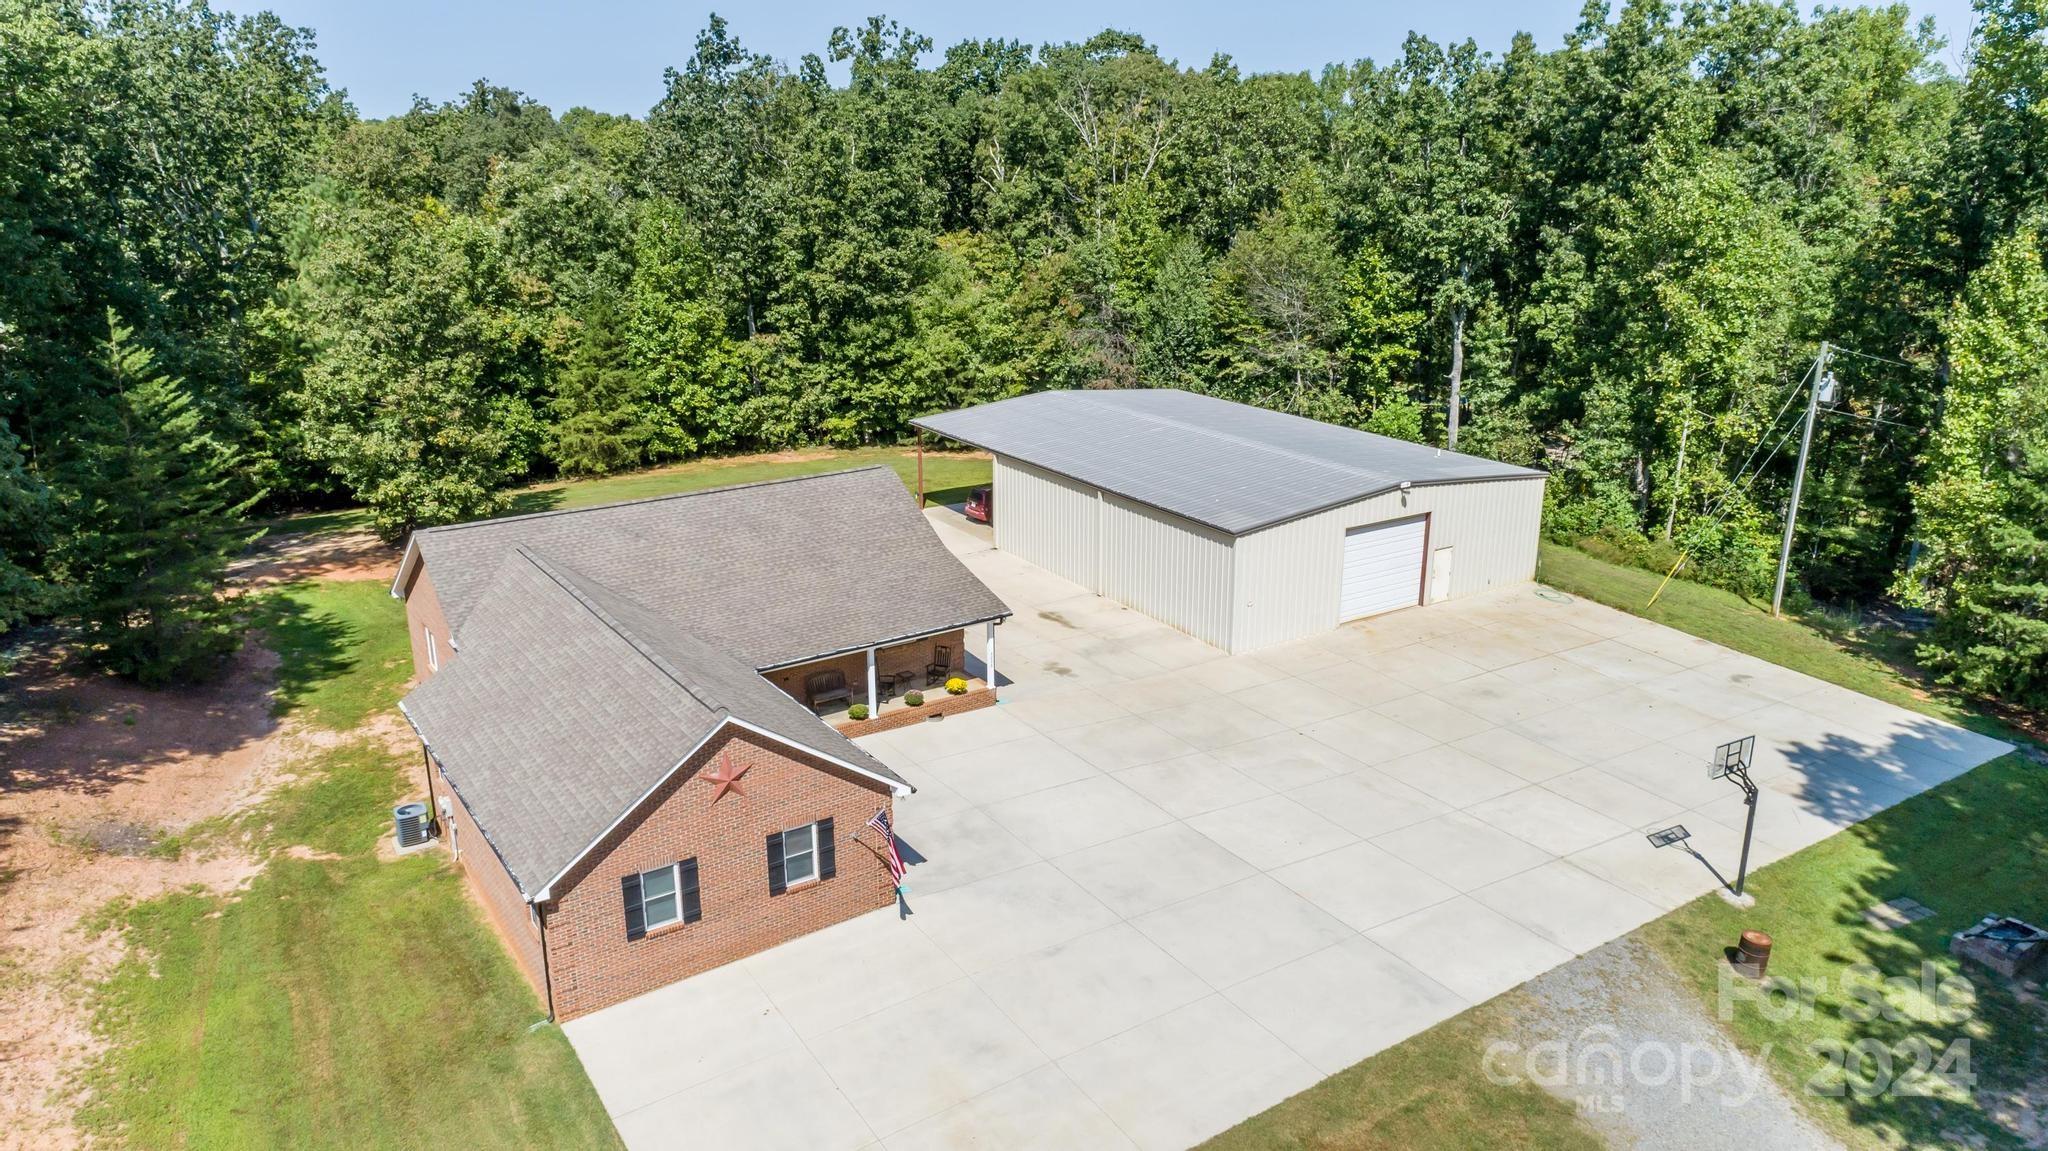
point(1814, 644)
point(342, 646)
point(344, 1003)
point(1973, 846)
point(947, 478)
point(1426, 1092)
point(341, 1000)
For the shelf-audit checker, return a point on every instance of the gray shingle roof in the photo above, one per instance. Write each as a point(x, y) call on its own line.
point(570, 702)
point(1233, 467)
point(776, 573)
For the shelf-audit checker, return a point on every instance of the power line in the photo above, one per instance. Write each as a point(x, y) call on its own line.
point(1717, 512)
point(1714, 513)
point(1880, 359)
point(1768, 429)
point(1878, 420)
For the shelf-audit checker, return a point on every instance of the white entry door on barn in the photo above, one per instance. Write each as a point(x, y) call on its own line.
point(1382, 568)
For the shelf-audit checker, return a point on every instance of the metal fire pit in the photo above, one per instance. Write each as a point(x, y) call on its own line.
point(2011, 947)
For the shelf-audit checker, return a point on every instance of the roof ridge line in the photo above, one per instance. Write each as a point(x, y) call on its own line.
point(491, 520)
point(1238, 439)
point(619, 628)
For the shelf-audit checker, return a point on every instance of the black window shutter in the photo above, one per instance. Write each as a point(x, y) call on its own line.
point(778, 880)
point(825, 852)
point(693, 905)
point(636, 918)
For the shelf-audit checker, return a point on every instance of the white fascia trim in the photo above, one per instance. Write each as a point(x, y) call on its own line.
point(412, 543)
point(896, 787)
point(547, 889)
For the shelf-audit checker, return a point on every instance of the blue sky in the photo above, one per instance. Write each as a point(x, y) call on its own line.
point(610, 56)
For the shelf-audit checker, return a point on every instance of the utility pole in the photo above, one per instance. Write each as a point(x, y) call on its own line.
point(1457, 376)
point(1820, 380)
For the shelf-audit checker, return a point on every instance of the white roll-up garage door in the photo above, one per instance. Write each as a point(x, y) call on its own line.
point(1382, 568)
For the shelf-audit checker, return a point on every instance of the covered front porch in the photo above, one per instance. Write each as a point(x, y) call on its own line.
point(863, 691)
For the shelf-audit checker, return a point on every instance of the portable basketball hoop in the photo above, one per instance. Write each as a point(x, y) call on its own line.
point(1731, 761)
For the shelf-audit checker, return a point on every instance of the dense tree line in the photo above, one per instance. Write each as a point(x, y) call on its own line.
point(1614, 260)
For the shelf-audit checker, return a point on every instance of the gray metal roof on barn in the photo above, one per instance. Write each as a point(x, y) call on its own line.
point(570, 702)
point(1230, 466)
point(776, 573)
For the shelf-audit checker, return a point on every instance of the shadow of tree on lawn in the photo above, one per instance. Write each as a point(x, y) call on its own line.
point(1903, 1009)
point(314, 646)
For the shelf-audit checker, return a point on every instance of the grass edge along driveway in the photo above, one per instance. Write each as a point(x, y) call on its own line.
point(1429, 1091)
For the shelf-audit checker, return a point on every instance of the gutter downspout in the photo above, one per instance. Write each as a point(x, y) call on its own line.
point(547, 976)
point(427, 770)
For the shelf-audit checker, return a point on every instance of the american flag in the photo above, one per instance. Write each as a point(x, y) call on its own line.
point(881, 823)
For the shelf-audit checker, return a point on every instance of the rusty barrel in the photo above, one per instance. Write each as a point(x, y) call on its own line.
point(1753, 952)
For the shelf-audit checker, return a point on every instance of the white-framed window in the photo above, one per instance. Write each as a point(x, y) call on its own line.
point(661, 897)
point(800, 854)
point(659, 904)
point(433, 650)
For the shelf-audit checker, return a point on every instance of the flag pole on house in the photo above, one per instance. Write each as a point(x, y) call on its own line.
point(890, 855)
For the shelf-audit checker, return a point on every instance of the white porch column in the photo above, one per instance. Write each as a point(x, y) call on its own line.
point(874, 694)
point(989, 658)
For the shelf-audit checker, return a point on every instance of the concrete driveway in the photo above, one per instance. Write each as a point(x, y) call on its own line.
point(1160, 889)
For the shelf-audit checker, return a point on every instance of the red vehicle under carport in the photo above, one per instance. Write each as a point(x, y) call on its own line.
point(981, 505)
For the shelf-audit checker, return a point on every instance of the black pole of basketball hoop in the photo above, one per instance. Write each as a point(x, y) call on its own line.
point(1732, 761)
point(1748, 826)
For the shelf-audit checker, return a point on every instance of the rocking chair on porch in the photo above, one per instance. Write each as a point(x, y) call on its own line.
point(941, 665)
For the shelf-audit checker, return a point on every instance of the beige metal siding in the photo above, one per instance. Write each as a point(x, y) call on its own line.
point(1048, 520)
point(1174, 570)
point(1287, 576)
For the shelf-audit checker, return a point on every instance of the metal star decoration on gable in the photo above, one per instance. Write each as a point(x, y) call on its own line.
point(727, 777)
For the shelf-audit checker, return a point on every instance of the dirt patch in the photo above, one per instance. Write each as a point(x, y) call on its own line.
point(77, 732)
point(100, 781)
point(316, 555)
point(84, 807)
point(114, 837)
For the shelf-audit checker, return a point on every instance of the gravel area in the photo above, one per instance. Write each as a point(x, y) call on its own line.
point(1614, 1032)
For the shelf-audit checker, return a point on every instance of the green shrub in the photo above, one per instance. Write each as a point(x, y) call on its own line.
point(1716, 555)
point(857, 711)
point(914, 698)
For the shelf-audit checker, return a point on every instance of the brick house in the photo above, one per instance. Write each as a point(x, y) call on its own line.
point(612, 708)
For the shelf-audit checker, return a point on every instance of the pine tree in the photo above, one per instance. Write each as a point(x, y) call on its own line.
point(1983, 508)
point(24, 535)
point(602, 421)
point(154, 506)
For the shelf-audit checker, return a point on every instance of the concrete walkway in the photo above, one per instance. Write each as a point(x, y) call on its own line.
point(1160, 889)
